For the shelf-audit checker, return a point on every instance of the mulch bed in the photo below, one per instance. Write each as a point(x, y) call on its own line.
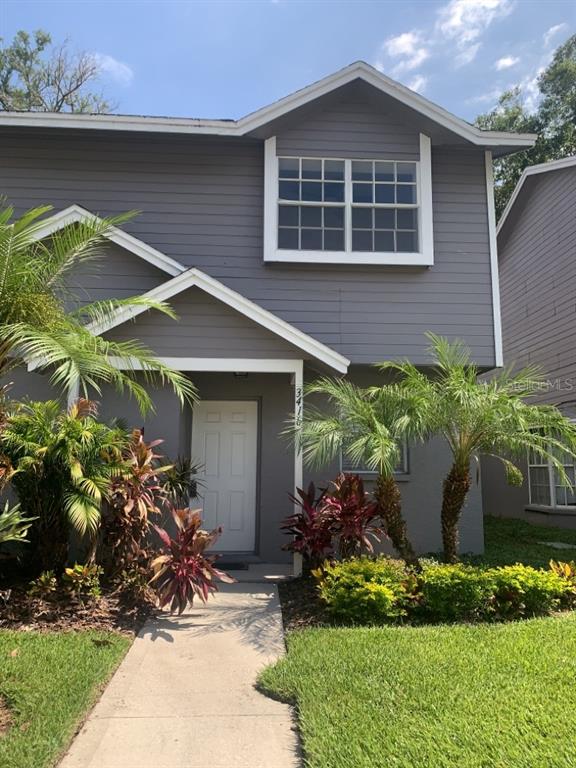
point(111, 612)
point(301, 606)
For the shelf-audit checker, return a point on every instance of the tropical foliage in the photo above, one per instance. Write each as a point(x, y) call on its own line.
point(482, 417)
point(65, 461)
point(44, 323)
point(367, 425)
point(14, 525)
point(135, 494)
point(310, 537)
point(185, 571)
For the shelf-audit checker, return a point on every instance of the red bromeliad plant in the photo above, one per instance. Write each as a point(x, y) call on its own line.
point(185, 571)
point(349, 514)
point(311, 537)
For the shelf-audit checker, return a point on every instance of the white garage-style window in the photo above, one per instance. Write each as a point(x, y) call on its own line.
point(350, 211)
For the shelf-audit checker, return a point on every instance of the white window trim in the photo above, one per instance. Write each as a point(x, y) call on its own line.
point(423, 258)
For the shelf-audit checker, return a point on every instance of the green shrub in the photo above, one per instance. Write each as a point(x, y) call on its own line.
point(370, 591)
point(520, 590)
point(366, 591)
point(455, 592)
point(44, 587)
point(83, 580)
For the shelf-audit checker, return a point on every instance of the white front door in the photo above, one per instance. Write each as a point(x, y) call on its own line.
point(224, 441)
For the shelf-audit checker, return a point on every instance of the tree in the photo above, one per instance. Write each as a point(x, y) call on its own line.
point(554, 120)
point(42, 322)
point(367, 425)
point(34, 78)
point(478, 418)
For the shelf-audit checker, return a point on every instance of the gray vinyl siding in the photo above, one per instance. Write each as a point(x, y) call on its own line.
point(537, 252)
point(205, 328)
point(116, 273)
point(351, 128)
point(201, 202)
point(537, 260)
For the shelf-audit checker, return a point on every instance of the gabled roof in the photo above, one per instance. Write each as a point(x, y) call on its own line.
point(533, 170)
point(76, 213)
point(194, 278)
point(246, 125)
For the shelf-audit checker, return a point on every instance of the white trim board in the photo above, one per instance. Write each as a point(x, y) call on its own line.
point(495, 278)
point(220, 364)
point(359, 70)
point(533, 170)
point(194, 278)
point(75, 213)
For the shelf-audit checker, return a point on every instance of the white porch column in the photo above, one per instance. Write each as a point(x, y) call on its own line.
point(298, 380)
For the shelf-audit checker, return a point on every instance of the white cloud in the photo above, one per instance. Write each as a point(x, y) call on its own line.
point(117, 70)
point(418, 83)
point(552, 32)
point(406, 49)
point(506, 62)
point(464, 22)
point(467, 19)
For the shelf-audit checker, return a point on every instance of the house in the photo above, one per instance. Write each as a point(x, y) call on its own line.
point(318, 235)
point(537, 260)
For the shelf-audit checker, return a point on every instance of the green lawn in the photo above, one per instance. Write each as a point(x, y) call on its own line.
point(49, 681)
point(461, 696)
point(509, 541)
point(484, 696)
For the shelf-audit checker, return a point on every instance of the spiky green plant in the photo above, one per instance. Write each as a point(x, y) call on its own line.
point(64, 461)
point(14, 524)
point(367, 425)
point(42, 320)
point(482, 417)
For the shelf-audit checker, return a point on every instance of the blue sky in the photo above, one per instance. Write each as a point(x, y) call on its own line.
point(225, 59)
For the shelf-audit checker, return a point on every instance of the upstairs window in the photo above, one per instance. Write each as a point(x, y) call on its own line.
point(362, 211)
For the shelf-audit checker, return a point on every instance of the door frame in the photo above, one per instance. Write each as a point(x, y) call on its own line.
point(258, 400)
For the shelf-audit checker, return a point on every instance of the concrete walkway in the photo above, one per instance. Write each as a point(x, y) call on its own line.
point(184, 695)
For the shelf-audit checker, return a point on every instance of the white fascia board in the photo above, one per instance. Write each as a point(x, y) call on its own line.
point(216, 364)
point(494, 275)
point(358, 70)
point(361, 70)
point(195, 278)
point(119, 123)
point(75, 213)
point(534, 170)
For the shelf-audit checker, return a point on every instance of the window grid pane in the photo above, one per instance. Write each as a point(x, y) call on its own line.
point(545, 483)
point(383, 204)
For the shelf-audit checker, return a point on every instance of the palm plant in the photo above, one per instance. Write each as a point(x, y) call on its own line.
point(42, 321)
point(369, 426)
point(64, 462)
point(492, 417)
point(13, 524)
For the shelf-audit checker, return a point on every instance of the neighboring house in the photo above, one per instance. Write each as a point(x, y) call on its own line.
point(318, 235)
point(537, 256)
